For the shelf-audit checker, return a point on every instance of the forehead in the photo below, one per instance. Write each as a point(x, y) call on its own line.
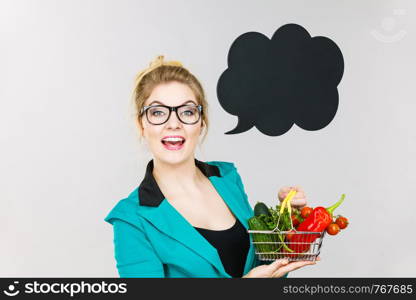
point(171, 94)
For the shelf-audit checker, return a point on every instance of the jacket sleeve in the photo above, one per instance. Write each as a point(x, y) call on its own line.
point(134, 254)
point(241, 186)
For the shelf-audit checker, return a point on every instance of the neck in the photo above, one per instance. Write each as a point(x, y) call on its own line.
point(181, 175)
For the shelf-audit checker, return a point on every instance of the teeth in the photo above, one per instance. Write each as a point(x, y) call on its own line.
point(173, 139)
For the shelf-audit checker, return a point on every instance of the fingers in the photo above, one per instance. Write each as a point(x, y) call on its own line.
point(283, 192)
point(286, 189)
point(292, 267)
point(278, 263)
point(299, 200)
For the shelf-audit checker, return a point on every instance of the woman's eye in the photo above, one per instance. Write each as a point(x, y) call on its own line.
point(157, 113)
point(188, 113)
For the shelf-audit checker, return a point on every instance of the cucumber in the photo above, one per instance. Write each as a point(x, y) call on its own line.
point(261, 209)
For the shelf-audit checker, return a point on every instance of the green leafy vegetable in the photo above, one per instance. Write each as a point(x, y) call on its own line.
point(269, 221)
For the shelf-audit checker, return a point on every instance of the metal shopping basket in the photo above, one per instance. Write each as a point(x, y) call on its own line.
point(293, 245)
point(308, 242)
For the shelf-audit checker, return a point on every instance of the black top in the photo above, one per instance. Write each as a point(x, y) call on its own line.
point(232, 245)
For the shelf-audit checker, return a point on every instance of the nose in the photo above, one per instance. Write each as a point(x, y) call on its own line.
point(173, 121)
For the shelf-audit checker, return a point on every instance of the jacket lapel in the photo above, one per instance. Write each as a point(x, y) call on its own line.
point(168, 220)
point(232, 198)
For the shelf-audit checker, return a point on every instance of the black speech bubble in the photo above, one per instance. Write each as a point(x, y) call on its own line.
point(274, 83)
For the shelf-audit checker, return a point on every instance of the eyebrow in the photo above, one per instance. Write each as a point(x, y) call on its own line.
point(187, 101)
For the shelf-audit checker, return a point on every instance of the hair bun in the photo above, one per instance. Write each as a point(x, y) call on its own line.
point(157, 62)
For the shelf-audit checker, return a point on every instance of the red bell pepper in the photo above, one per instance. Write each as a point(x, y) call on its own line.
point(317, 222)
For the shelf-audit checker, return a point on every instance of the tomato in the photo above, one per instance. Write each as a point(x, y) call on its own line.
point(290, 235)
point(295, 220)
point(332, 229)
point(306, 211)
point(342, 222)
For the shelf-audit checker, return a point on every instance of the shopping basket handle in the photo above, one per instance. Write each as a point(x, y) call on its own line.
point(285, 202)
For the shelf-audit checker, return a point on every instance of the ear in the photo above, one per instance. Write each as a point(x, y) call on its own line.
point(202, 127)
point(139, 126)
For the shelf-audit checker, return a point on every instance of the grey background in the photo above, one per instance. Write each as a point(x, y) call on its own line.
point(69, 149)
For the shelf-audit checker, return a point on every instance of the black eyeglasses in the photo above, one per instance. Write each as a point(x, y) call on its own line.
point(160, 114)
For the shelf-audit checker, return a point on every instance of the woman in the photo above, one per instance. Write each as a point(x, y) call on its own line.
point(187, 218)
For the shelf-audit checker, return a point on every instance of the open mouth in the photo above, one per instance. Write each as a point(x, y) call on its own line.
point(173, 141)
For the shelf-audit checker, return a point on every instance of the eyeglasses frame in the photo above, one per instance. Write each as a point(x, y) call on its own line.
point(171, 108)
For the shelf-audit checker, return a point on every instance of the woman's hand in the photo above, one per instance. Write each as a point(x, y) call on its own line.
point(298, 201)
point(278, 268)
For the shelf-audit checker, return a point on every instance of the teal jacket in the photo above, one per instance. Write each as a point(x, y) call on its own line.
point(152, 239)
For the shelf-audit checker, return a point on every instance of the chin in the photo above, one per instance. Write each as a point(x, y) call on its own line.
point(174, 158)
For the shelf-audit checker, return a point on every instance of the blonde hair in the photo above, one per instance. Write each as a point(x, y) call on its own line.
point(160, 71)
